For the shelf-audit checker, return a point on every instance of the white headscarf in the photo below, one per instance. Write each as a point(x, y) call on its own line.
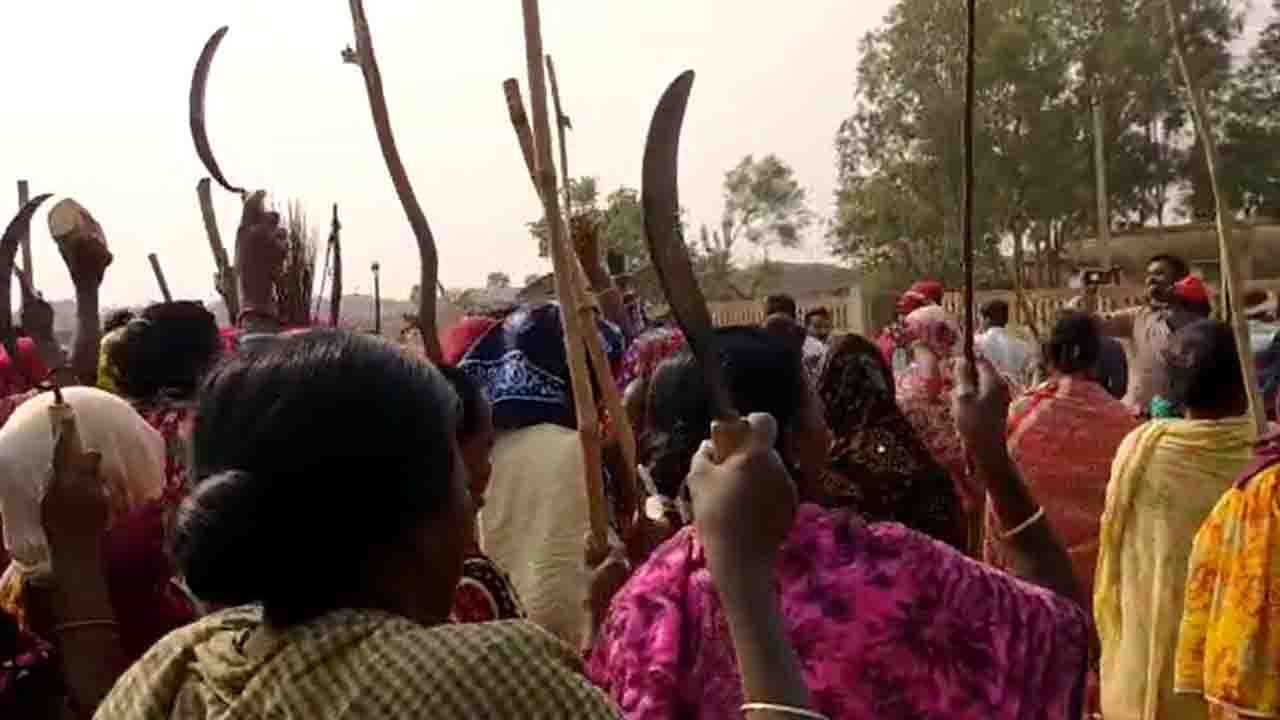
point(133, 464)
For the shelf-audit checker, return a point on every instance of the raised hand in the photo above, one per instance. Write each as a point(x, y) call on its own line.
point(75, 509)
point(260, 254)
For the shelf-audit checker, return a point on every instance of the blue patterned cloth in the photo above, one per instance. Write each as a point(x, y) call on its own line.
point(520, 364)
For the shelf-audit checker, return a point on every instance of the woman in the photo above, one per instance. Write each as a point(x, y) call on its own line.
point(1229, 640)
point(157, 365)
point(485, 592)
point(1063, 434)
point(146, 604)
point(887, 623)
point(348, 622)
point(535, 514)
point(877, 465)
point(1167, 476)
point(924, 394)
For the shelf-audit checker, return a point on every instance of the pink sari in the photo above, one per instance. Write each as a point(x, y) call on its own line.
point(887, 623)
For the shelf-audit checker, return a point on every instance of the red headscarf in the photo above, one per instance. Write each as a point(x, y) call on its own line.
point(457, 340)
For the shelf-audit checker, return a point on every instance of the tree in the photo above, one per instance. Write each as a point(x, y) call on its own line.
point(619, 223)
point(764, 204)
point(295, 286)
point(497, 280)
point(1040, 66)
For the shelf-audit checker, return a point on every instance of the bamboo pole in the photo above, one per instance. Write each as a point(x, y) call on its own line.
point(1231, 271)
point(335, 290)
point(976, 522)
point(164, 284)
point(227, 284)
point(594, 345)
point(363, 56)
point(24, 194)
point(562, 124)
point(588, 421)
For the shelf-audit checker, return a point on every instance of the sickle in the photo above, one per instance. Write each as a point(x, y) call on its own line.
point(19, 227)
point(199, 81)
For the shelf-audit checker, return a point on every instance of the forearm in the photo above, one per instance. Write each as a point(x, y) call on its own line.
point(84, 349)
point(766, 661)
point(607, 295)
point(84, 628)
point(257, 309)
point(1035, 554)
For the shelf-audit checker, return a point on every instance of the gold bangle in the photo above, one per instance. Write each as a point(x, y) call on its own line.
point(784, 709)
point(82, 624)
point(1014, 532)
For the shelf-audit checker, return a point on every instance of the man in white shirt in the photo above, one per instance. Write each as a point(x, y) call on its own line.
point(1011, 355)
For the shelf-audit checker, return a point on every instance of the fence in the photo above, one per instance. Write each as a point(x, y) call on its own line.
point(1045, 303)
point(847, 311)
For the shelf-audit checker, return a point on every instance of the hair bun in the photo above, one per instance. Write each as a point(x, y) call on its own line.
point(217, 542)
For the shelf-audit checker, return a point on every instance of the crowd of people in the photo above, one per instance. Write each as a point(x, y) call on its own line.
point(253, 522)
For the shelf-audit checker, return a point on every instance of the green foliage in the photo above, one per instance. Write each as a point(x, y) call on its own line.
point(764, 204)
point(620, 221)
point(1041, 64)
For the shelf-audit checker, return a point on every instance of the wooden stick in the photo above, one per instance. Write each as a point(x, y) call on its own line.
point(164, 285)
point(594, 344)
point(364, 57)
point(588, 421)
point(335, 292)
point(976, 521)
point(24, 194)
point(225, 281)
point(562, 124)
point(1231, 271)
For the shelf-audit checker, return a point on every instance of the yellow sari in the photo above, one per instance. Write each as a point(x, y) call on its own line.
point(1167, 476)
point(1229, 644)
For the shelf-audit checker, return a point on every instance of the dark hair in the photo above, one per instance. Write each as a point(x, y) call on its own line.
point(166, 350)
point(764, 374)
point(1075, 343)
point(311, 455)
point(996, 312)
point(469, 397)
point(780, 305)
point(785, 328)
point(1204, 368)
point(1175, 263)
point(117, 320)
point(815, 313)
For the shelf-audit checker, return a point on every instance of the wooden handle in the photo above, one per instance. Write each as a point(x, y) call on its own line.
point(728, 436)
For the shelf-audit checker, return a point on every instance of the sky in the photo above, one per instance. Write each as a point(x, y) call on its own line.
point(96, 109)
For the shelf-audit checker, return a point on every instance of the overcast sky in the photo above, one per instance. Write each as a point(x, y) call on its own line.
point(95, 108)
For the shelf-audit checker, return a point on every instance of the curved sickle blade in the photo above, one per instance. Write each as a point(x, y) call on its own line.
point(19, 227)
point(660, 197)
point(199, 81)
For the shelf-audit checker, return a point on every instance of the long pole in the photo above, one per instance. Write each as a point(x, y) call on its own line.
point(584, 400)
point(24, 194)
point(1227, 260)
point(377, 300)
point(164, 284)
point(1100, 174)
point(966, 207)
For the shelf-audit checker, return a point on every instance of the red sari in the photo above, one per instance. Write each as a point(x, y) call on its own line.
point(1063, 436)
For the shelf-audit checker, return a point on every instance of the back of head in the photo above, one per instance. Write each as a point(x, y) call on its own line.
point(1204, 371)
point(1074, 344)
point(310, 456)
point(1178, 267)
point(117, 319)
point(995, 313)
point(785, 328)
point(764, 374)
point(166, 350)
point(780, 305)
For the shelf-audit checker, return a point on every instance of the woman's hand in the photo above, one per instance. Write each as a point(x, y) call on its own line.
point(743, 507)
point(980, 405)
point(75, 508)
point(260, 254)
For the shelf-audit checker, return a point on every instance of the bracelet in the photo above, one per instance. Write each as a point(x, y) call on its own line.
point(784, 709)
point(1013, 532)
point(81, 624)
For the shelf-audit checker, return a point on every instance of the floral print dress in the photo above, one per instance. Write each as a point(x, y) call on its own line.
point(887, 624)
